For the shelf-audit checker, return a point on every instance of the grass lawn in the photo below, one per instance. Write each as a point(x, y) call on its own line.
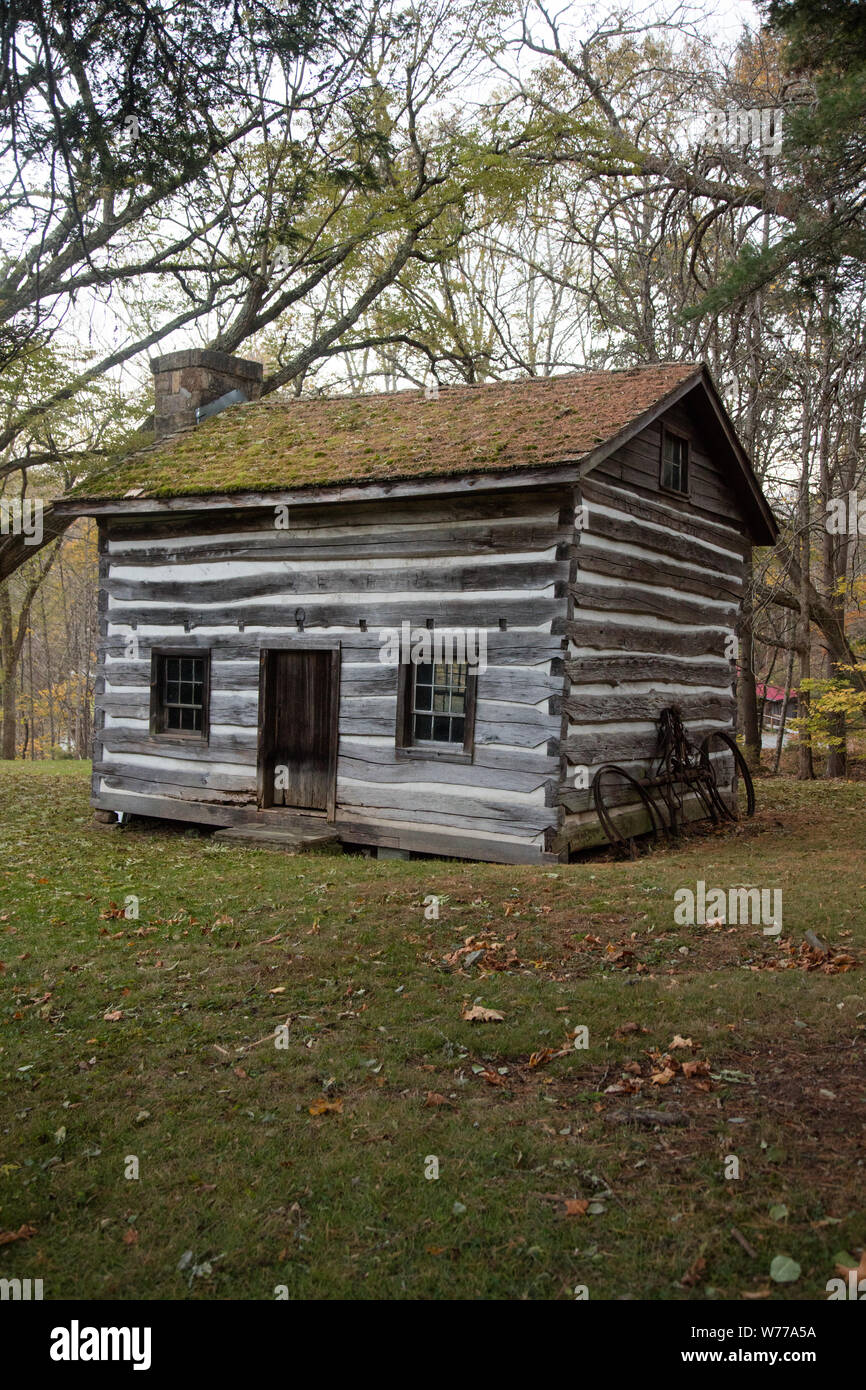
point(306, 1165)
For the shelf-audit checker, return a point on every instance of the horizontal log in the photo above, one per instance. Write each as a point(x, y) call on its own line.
point(453, 812)
point(621, 707)
point(518, 760)
point(593, 747)
point(621, 565)
point(635, 638)
point(166, 770)
point(526, 537)
point(308, 585)
point(126, 781)
point(222, 748)
point(439, 844)
point(441, 771)
point(539, 504)
point(615, 670)
point(464, 610)
point(623, 599)
point(668, 542)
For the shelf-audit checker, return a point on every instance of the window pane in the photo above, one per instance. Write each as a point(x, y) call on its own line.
point(440, 690)
point(674, 463)
point(182, 693)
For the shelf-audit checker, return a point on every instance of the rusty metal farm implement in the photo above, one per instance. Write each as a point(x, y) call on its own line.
point(681, 769)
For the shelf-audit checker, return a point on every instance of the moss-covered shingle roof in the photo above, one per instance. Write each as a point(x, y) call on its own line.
point(276, 444)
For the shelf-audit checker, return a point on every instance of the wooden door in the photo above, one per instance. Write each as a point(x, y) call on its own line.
point(298, 729)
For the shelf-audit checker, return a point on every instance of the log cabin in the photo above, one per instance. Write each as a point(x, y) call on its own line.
point(414, 622)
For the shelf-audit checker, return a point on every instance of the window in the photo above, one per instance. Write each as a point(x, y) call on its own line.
point(435, 712)
point(675, 462)
point(180, 694)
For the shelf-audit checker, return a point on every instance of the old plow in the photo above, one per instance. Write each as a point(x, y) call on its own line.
point(681, 769)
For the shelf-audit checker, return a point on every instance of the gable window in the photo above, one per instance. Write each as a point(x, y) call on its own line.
point(675, 462)
point(436, 707)
point(180, 694)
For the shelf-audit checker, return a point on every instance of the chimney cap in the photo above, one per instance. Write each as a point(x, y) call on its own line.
point(207, 357)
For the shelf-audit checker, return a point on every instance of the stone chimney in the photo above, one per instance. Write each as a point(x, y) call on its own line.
point(185, 382)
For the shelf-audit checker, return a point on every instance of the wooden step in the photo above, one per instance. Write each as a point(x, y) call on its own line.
point(298, 836)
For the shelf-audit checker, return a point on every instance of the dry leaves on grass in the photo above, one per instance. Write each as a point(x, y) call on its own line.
point(476, 1013)
point(23, 1233)
point(624, 958)
point(807, 957)
point(548, 1054)
point(576, 1206)
point(324, 1106)
point(627, 1030)
point(484, 953)
point(693, 1273)
point(663, 1070)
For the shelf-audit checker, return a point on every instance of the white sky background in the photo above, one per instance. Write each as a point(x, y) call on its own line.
point(100, 326)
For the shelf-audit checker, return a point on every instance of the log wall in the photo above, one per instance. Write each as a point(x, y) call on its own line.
point(498, 563)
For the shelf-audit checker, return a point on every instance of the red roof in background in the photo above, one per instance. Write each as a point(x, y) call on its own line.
point(772, 692)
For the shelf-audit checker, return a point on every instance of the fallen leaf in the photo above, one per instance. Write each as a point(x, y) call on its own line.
point(680, 1042)
point(784, 1270)
point(662, 1078)
point(23, 1233)
point(696, 1068)
point(130, 1236)
point(113, 1015)
point(626, 1029)
point(539, 1058)
point(326, 1107)
point(693, 1273)
point(478, 1014)
point(576, 1206)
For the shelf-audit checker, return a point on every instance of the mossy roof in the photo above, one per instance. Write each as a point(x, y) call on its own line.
point(277, 444)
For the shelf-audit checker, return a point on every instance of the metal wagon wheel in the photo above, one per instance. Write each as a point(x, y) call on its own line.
point(742, 768)
point(626, 845)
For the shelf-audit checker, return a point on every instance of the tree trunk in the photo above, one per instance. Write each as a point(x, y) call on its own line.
point(804, 647)
point(789, 676)
point(747, 697)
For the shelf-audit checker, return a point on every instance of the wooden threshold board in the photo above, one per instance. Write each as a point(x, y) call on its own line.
point(295, 835)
